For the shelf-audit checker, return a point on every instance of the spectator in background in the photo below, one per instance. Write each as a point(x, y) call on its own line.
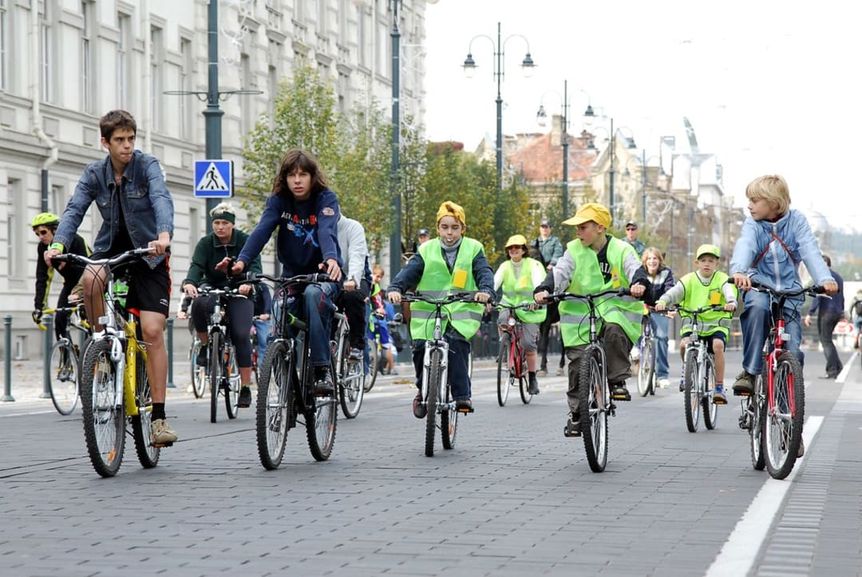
point(421, 238)
point(632, 237)
point(856, 315)
point(829, 312)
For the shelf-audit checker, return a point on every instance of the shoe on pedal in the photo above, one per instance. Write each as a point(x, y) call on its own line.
point(744, 385)
point(663, 383)
point(619, 392)
point(573, 426)
point(244, 397)
point(323, 386)
point(355, 354)
point(419, 408)
point(718, 396)
point(201, 360)
point(162, 434)
point(464, 406)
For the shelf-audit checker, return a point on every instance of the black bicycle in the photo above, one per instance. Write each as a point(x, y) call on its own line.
point(285, 392)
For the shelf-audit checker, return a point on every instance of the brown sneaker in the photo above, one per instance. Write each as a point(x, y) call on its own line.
point(744, 385)
point(163, 435)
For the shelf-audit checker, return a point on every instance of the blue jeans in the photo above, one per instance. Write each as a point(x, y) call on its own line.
point(755, 320)
point(315, 306)
point(459, 375)
point(262, 334)
point(660, 329)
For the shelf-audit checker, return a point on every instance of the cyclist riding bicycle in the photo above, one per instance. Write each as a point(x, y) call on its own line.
point(450, 262)
point(378, 321)
point(660, 278)
point(517, 277)
point(594, 262)
point(357, 281)
point(44, 225)
point(704, 287)
point(225, 241)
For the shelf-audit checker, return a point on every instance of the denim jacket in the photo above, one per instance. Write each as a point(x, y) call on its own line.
point(144, 197)
point(770, 252)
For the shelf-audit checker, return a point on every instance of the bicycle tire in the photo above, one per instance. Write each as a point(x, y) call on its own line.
point(503, 371)
point(757, 406)
point(275, 403)
point(709, 408)
point(351, 388)
point(142, 423)
point(373, 359)
point(321, 421)
point(523, 379)
point(198, 374)
point(64, 363)
point(783, 421)
point(104, 413)
point(433, 383)
point(691, 398)
point(592, 395)
point(646, 369)
point(449, 421)
point(232, 384)
point(215, 362)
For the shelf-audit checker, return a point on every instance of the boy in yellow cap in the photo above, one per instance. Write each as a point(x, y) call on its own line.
point(706, 286)
point(594, 262)
point(450, 262)
point(518, 276)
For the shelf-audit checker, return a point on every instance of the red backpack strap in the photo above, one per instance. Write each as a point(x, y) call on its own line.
point(766, 249)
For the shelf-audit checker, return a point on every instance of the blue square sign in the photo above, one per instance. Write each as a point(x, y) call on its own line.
point(214, 178)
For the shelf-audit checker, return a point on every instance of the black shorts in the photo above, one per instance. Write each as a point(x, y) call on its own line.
point(708, 339)
point(149, 288)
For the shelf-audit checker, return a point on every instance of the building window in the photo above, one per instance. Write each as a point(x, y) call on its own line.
point(299, 10)
point(194, 223)
point(247, 80)
point(124, 44)
point(14, 229)
point(87, 100)
point(342, 22)
point(4, 46)
point(57, 200)
point(46, 53)
point(362, 35)
point(185, 84)
point(272, 89)
point(322, 17)
point(156, 59)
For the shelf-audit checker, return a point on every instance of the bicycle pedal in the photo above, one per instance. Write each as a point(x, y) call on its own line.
point(465, 410)
point(162, 445)
point(741, 394)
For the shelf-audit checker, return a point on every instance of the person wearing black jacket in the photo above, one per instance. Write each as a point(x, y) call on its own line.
point(829, 312)
point(660, 280)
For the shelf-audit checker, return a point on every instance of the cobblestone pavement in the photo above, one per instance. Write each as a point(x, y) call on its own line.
point(513, 498)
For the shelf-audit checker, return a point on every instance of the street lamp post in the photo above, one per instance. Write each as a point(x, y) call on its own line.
point(565, 143)
point(499, 58)
point(395, 239)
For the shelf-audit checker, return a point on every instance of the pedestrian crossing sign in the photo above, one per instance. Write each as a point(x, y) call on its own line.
point(213, 178)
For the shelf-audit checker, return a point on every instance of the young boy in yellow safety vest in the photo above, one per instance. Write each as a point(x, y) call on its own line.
point(594, 262)
point(706, 286)
point(450, 262)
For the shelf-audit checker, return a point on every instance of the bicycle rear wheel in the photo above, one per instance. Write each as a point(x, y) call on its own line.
point(321, 420)
point(646, 369)
point(504, 372)
point(215, 376)
point(373, 360)
point(692, 397)
point(784, 416)
point(232, 384)
point(351, 388)
point(142, 423)
point(523, 380)
point(274, 403)
point(104, 413)
point(433, 384)
point(449, 421)
point(198, 374)
point(593, 396)
point(710, 409)
point(64, 377)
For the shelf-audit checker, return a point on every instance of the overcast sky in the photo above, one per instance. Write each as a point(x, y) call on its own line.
point(770, 87)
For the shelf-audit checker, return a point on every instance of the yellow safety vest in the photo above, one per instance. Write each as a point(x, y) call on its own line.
point(699, 295)
point(626, 311)
point(519, 290)
point(437, 281)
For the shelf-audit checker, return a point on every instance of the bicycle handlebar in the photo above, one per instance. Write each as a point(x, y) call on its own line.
point(812, 290)
point(557, 297)
point(313, 278)
point(463, 296)
point(699, 311)
point(134, 253)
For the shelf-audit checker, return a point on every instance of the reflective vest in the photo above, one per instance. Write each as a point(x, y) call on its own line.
point(438, 281)
point(519, 290)
point(626, 311)
point(699, 295)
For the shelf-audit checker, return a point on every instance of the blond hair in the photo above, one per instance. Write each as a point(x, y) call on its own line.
point(773, 189)
point(221, 208)
point(652, 250)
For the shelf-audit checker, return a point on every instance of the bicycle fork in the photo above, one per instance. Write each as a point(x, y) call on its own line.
point(443, 347)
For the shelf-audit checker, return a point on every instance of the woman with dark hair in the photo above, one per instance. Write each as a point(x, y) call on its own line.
point(306, 214)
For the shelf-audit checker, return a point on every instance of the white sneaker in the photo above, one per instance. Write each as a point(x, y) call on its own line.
point(162, 433)
point(663, 383)
point(635, 355)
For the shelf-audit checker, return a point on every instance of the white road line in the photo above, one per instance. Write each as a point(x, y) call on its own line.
point(740, 550)
point(842, 376)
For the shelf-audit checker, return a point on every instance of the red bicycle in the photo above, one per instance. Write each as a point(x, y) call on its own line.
point(774, 415)
point(512, 359)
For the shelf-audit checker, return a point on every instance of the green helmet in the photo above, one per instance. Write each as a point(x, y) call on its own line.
point(45, 219)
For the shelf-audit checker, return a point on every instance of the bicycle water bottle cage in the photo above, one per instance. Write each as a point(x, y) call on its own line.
point(785, 337)
point(511, 321)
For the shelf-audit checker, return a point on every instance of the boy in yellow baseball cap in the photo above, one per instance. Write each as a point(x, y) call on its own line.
point(594, 262)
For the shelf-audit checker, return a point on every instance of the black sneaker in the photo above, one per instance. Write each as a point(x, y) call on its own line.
point(420, 410)
point(355, 354)
point(464, 406)
point(573, 426)
point(201, 361)
point(323, 386)
point(244, 398)
point(619, 392)
point(534, 384)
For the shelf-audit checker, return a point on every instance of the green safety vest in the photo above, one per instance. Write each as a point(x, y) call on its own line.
point(437, 281)
point(626, 311)
point(519, 290)
point(699, 295)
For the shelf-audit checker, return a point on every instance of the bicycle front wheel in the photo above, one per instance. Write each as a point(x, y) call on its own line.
point(435, 377)
point(215, 361)
point(142, 423)
point(64, 377)
point(320, 423)
point(784, 417)
point(274, 404)
point(523, 379)
point(104, 413)
point(373, 360)
point(710, 409)
point(646, 369)
point(449, 421)
point(198, 373)
point(351, 388)
point(690, 389)
point(504, 373)
point(593, 397)
point(232, 384)
point(757, 410)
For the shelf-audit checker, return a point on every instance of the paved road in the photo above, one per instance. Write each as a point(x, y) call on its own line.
point(513, 498)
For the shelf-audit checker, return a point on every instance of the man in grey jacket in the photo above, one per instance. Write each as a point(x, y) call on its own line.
point(357, 281)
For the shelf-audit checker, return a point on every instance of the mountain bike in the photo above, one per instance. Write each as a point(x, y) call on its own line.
point(436, 389)
point(222, 374)
point(65, 361)
point(285, 393)
point(774, 414)
point(594, 395)
point(698, 373)
point(114, 384)
point(512, 358)
point(351, 373)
